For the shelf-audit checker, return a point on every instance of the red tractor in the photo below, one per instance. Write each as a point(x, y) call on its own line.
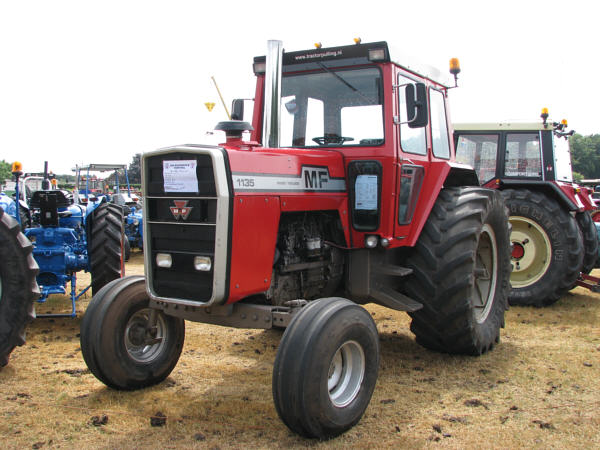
point(553, 236)
point(346, 192)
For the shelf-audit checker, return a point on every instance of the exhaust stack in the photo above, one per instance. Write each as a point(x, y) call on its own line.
point(274, 62)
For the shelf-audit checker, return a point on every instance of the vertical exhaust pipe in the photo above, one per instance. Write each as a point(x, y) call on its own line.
point(46, 180)
point(272, 112)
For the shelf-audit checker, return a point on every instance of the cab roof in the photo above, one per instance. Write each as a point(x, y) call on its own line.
point(357, 54)
point(503, 126)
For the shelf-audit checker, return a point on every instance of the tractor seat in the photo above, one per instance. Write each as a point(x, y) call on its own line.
point(48, 203)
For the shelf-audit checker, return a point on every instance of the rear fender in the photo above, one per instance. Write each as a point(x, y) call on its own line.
point(569, 196)
point(438, 175)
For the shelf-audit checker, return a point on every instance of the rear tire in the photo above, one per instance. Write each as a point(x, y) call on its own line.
point(547, 251)
point(590, 241)
point(117, 345)
point(104, 245)
point(326, 368)
point(18, 287)
point(126, 248)
point(461, 268)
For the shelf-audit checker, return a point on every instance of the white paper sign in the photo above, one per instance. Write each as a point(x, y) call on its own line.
point(365, 191)
point(180, 176)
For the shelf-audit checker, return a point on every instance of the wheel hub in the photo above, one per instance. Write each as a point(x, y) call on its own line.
point(531, 254)
point(145, 341)
point(486, 264)
point(518, 251)
point(346, 373)
point(137, 334)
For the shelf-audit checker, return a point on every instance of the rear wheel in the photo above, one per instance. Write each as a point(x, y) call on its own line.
point(18, 287)
point(461, 269)
point(125, 343)
point(326, 368)
point(547, 253)
point(104, 245)
point(590, 240)
point(126, 248)
point(25, 218)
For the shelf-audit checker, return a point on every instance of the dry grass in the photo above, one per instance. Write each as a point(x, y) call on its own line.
point(538, 388)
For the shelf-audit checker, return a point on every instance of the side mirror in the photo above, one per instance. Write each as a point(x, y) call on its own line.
point(416, 105)
point(237, 109)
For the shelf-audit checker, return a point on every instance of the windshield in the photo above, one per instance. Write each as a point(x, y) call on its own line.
point(332, 108)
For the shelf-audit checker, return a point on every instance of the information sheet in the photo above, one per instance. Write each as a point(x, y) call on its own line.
point(180, 176)
point(365, 192)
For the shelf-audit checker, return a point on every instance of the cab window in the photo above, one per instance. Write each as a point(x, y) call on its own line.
point(332, 107)
point(480, 152)
point(412, 140)
point(439, 125)
point(523, 155)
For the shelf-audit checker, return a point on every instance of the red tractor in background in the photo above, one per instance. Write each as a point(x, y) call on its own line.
point(345, 193)
point(555, 242)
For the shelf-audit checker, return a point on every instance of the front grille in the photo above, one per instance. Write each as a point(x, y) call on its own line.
point(196, 232)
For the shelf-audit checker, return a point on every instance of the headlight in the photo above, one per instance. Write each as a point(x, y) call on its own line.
point(202, 263)
point(164, 260)
point(136, 222)
point(371, 241)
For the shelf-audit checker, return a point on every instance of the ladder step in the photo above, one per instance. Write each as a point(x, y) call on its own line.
point(390, 269)
point(394, 299)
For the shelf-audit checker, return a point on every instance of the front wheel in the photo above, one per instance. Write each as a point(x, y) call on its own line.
point(125, 343)
point(326, 368)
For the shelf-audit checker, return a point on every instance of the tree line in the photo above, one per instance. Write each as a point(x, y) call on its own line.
point(134, 172)
point(585, 156)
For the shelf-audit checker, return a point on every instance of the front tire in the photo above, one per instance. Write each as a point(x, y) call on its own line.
point(547, 251)
point(18, 287)
point(326, 368)
point(461, 269)
point(118, 343)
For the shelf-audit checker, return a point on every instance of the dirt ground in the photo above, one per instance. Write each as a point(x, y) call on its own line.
point(538, 389)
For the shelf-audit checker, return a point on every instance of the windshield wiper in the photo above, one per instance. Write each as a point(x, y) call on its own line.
point(339, 77)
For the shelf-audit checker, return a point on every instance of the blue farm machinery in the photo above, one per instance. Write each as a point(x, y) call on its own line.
point(68, 238)
point(89, 187)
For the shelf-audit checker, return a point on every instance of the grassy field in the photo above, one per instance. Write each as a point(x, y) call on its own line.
point(540, 388)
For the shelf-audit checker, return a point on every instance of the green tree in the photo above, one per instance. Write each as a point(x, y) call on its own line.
point(135, 169)
point(585, 155)
point(5, 171)
point(577, 177)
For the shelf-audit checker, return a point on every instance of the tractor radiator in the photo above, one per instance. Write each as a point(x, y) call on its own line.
point(187, 196)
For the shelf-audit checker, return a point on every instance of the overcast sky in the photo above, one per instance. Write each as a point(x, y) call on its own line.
point(98, 81)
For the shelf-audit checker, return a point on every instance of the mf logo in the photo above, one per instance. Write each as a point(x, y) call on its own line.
point(181, 210)
point(315, 177)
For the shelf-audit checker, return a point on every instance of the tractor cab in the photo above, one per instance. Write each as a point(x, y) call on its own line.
point(517, 154)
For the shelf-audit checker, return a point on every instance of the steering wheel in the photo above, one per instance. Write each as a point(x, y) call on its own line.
point(331, 139)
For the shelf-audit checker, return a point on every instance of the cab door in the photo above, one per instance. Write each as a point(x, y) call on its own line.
point(424, 160)
point(413, 158)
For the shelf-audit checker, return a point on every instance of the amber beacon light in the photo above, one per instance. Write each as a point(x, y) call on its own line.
point(455, 69)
